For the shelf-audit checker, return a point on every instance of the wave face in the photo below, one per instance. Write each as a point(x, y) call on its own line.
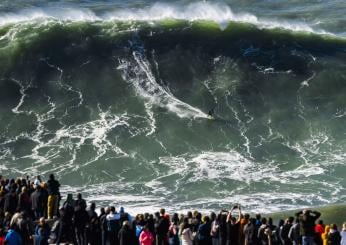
point(116, 108)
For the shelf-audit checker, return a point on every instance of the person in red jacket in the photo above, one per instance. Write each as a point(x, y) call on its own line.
point(146, 238)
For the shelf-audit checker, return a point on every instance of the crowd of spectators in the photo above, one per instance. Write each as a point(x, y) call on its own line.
point(31, 212)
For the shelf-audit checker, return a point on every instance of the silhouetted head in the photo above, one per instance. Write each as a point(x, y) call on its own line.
point(51, 176)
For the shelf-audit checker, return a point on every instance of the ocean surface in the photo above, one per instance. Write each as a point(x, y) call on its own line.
point(112, 97)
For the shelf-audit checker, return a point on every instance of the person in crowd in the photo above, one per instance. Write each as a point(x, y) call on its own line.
point(37, 202)
point(258, 220)
point(11, 200)
point(277, 238)
point(13, 237)
point(150, 221)
point(284, 231)
point(334, 237)
point(244, 220)
point(223, 228)
point(94, 229)
point(125, 234)
point(113, 226)
point(233, 227)
point(307, 219)
point(24, 202)
point(319, 230)
point(80, 201)
point(53, 196)
point(37, 181)
point(294, 233)
point(185, 232)
point(162, 229)
point(124, 216)
point(325, 235)
point(146, 238)
point(263, 231)
point(80, 222)
point(173, 232)
point(203, 233)
point(215, 229)
point(343, 234)
point(103, 224)
point(42, 232)
point(44, 191)
point(250, 232)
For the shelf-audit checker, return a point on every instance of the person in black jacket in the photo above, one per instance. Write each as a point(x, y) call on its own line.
point(204, 229)
point(53, 196)
point(162, 229)
point(334, 237)
point(233, 227)
point(80, 221)
point(125, 234)
point(37, 204)
point(307, 219)
point(284, 231)
point(11, 200)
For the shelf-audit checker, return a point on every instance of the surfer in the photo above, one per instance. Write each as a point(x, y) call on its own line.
point(211, 113)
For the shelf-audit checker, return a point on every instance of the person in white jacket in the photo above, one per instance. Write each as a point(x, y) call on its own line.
point(186, 236)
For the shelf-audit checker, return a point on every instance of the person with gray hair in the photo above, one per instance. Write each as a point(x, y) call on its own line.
point(125, 234)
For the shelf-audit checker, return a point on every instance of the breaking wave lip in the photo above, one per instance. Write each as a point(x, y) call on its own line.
point(217, 12)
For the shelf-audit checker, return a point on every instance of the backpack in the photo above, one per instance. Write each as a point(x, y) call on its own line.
point(139, 229)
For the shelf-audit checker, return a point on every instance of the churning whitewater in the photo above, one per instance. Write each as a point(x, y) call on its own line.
point(115, 103)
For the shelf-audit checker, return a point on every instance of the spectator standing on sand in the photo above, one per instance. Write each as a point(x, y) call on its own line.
point(307, 219)
point(343, 234)
point(334, 237)
point(53, 196)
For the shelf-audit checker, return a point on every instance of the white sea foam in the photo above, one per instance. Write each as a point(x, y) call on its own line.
point(146, 86)
point(220, 13)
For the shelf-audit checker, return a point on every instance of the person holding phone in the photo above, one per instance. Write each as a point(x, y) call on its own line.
point(233, 226)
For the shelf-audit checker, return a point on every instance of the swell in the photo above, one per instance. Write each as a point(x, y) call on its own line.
point(19, 41)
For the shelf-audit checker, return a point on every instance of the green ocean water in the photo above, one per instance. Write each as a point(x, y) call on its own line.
point(113, 98)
